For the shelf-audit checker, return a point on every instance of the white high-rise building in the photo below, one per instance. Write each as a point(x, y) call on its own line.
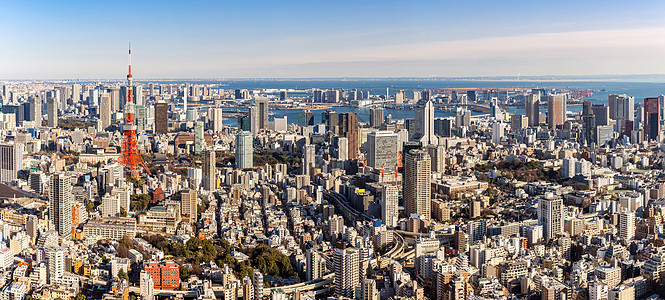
point(568, 167)
point(309, 156)
point(244, 150)
point(147, 286)
point(382, 149)
point(36, 110)
point(425, 123)
point(56, 262)
point(389, 202)
point(498, 130)
point(60, 203)
point(216, 119)
point(346, 264)
point(550, 215)
point(104, 111)
point(627, 225)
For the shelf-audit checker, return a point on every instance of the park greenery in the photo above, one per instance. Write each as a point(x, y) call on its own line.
point(198, 251)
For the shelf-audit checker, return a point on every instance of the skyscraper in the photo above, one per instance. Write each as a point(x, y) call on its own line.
point(308, 155)
point(209, 167)
point(588, 123)
point(375, 117)
point(532, 109)
point(425, 123)
point(382, 148)
point(263, 111)
point(437, 155)
point(60, 202)
point(612, 103)
point(199, 138)
point(348, 128)
point(329, 118)
point(346, 265)
point(105, 111)
point(602, 114)
point(652, 119)
point(253, 113)
point(52, 106)
point(389, 202)
point(417, 185)
point(216, 119)
point(161, 117)
point(36, 110)
point(244, 150)
point(625, 108)
point(556, 110)
point(306, 118)
point(11, 160)
point(550, 215)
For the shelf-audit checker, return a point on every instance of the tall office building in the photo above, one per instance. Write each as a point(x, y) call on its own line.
point(437, 155)
point(138, 95)
point(189, 201)
point(425, 123)
point(550, 215)
point(556, 110)
point(389, 202)
point(199, 138)
point(602, 114)
point(56, 263)
point(36, 110)
point(588, 123)
point(209, 168)
point(161, 117)
point(11, 160)
point(244, 150)
point(105, 111)
point(382, 148)
point(346, 265)
point(329, 118)
point(376, 117)
point(612, 103)
point(348, 128)
point(60, 202)
point(532, 109)
point(306, 118)
point(417, 185)
point(627, 225)
point(263, 111)
point(625, 108)
point(216, 119)
point(52, 109)
point(652, 119)
point(309, 156)
point(254, 116)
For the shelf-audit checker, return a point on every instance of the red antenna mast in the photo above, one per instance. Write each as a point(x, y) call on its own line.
point(130, 157)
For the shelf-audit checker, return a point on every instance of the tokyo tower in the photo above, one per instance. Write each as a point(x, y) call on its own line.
point(130, 157)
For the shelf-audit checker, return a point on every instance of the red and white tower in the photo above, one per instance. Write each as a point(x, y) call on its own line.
point(130, 157)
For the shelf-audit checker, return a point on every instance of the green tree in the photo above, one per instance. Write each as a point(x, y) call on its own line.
point(80, 297)
point(123, 212)
point(122, 275)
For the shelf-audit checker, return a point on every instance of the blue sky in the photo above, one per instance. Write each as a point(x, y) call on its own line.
point(267, 39)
